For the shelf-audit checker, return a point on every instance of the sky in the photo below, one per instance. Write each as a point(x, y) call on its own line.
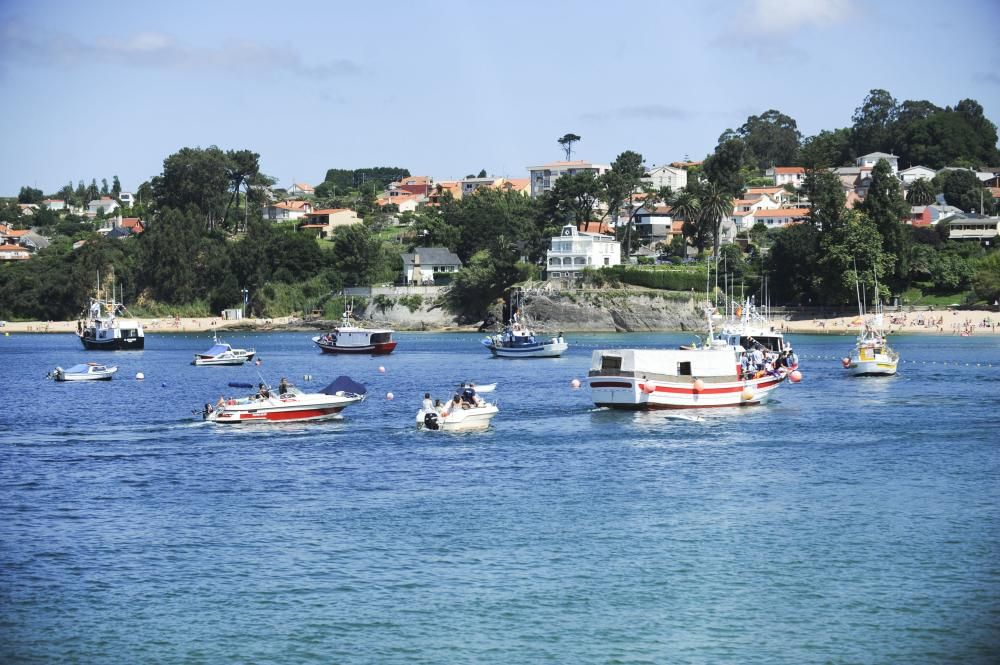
point(446, 88)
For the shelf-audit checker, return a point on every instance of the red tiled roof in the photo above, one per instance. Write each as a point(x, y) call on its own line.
point(595, 227)
point(788, 170)
point(783, 212)
point(328, 211)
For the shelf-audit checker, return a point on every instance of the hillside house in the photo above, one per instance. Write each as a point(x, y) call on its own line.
point(286, 210)
point(666, 176)
point(543, 178)
point(574, 250)
point(324, 222)
point(786, 175)
point(427, 265)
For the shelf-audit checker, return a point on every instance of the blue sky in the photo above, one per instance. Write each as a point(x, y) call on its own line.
point(448, 88)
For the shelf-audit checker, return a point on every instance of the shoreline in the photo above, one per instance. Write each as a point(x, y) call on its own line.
point(929, 322)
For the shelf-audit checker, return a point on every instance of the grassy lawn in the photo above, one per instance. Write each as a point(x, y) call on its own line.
point(914, 296)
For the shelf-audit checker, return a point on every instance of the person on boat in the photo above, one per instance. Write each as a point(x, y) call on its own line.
point(262, 392)
point(283, 386)
point(438, 406)
point(221, 403)
point(428, 405)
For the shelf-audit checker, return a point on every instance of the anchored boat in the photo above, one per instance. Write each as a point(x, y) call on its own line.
point(223, 354)
point(717, 373)
point(106, 330)
point(84, 372)
point(349, 338)
point(518, 340)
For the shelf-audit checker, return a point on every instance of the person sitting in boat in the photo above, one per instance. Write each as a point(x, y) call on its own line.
point(262, 392)
point(283, 386)
point(221, 403)
point(757, 357)
point(428, 405)
point(468, 395)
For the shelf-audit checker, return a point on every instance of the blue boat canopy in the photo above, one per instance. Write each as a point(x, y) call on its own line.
point(345, 384)
point(216, 350)
point(78, 369)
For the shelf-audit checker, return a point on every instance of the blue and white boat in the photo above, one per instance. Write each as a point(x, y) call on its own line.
point(518, 340)
point(223, 354)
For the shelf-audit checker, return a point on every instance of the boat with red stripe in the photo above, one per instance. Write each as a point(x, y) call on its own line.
point(715, 374)
point(286, 404)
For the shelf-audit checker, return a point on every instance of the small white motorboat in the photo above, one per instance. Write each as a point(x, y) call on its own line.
point(223, 354)
point(287, 405)
point(464, 418)
point(84, 372)
point(479, 387)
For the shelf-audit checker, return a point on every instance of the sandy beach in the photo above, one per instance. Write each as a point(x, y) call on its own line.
point(931, 322)
point(160, 325)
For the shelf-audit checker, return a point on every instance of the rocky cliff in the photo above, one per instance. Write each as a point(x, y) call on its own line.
point(598, 310)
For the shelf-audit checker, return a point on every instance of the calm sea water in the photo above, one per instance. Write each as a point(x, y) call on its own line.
point(850, 520)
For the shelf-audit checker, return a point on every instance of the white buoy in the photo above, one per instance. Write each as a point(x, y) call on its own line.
point(381, 369)
point(139, 376)
point(389, 396)
point(575, 383)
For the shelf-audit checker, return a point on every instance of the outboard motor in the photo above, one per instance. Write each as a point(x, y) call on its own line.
point(431, 421)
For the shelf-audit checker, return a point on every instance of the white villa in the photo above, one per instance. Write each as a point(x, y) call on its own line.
point(871, 159)
point(666, 176)
point(543, 178)
point(786, 175)
point(574, 250)
point(914, 173)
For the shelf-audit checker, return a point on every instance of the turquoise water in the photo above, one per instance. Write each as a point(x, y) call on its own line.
point(850, 520)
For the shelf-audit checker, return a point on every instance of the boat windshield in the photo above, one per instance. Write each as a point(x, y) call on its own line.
point(78, 369)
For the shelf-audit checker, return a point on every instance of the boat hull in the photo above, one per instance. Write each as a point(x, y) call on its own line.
point(379, 349)
point(475, 419)
point(283, 409)
point(82, 377)
point(113, 344)
point(234, 360)
point(632, 393)
point(876, 367)
point(549, 350)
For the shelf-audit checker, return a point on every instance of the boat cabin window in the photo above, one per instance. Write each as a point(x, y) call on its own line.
point(380, 338)
point(611, 363)
point(769, 343)
point(684, 368)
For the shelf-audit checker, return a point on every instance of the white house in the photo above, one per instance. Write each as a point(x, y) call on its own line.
point(974, 227)
point(543, 178)
point(744, 211)
point(127, 199)
point(914, 173)
point(55, 204)
point(774, 219)
point(872, 158)
point(301, 189)
point(666, 176)
point(105, 204)
point(574, 250)
point(786, 175)
point(427, 263)
point(286, 210)
point(14, 253)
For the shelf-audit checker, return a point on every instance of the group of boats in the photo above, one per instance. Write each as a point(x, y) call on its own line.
point(740, 364)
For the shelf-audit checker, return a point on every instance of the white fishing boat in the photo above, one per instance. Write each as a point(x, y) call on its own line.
point(84, 372)
point(223, 354)
point(350, 338)
point(871, 355)
point(106, 329)
point(708, 375)
point(286, 404)
point(462, 418)
point(518, 340)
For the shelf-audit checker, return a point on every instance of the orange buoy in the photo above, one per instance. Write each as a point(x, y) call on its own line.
point(699, 385)
point(795, 376)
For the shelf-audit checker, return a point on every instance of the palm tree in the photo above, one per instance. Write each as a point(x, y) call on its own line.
point(687, 206)
point(716, 205)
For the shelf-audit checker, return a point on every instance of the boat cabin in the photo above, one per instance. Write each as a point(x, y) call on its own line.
point(664, 362)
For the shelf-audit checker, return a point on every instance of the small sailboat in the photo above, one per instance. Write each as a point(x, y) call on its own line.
point(872, 355)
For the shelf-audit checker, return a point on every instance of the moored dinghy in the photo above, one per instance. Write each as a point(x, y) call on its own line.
point(84, 372)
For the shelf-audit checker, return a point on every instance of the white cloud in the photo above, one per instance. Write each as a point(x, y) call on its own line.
point(153, 50)
point(784, 16)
